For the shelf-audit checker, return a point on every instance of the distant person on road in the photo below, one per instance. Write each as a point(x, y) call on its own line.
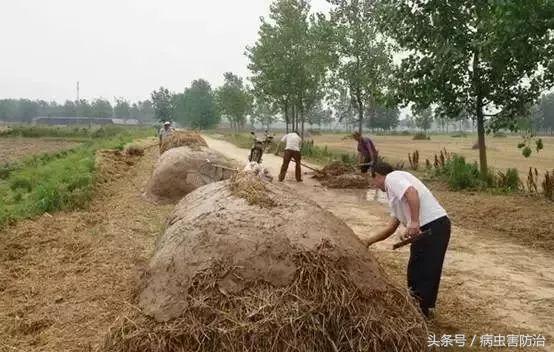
point(367, 154)
point(165, 132)
point(412, 204)
point(293, 142)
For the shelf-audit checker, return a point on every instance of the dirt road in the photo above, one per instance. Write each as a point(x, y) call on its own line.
point(489, 286)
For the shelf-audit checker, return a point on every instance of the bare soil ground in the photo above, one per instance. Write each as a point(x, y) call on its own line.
point(502, 152)
point(65, 277)
point(12, 149)
point(491, 285)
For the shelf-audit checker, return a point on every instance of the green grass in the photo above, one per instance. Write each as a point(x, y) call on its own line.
point(50, 182)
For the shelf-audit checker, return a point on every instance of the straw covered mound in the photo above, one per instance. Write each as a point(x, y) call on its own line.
point(181, 170)
point(340, 175)
point(227, 275)
point(182, 138)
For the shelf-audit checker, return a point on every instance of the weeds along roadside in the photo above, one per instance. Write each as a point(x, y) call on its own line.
point(58, 181)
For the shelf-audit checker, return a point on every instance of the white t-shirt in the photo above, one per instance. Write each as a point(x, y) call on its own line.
point(396, 185)
point(293, 141)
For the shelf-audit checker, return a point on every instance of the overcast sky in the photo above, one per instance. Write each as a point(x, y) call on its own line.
point(122, 48)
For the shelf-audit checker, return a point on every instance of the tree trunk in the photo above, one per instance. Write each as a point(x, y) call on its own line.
point(286, 117)
point(480, 116)
point(302, 118)
point(360, 110)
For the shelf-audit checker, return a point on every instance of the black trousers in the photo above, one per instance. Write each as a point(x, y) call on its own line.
point(425, 264)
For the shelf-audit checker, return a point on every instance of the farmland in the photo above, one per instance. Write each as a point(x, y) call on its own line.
point(502, 152)
point(13, 149)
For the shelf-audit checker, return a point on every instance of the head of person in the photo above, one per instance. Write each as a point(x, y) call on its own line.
point(167, 125)
point(357, 136)
point(295, 131)
point(378, 174)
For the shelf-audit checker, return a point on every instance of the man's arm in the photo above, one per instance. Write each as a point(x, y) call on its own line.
point(412, 197)
point(384, 233)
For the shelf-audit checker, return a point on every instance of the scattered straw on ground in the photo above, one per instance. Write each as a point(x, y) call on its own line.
point(182, 138)
point(65, 277)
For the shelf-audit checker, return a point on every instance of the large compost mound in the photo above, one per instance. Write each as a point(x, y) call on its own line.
point(231, 274)
point(182, 138)
point(181, 170)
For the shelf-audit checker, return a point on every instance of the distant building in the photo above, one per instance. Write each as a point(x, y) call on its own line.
point(65, 121)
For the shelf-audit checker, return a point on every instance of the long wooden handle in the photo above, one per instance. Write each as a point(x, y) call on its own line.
point(411, 239)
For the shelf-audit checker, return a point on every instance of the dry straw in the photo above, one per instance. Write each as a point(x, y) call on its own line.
point(251, 188)
point(182, 138)
point(322, 309)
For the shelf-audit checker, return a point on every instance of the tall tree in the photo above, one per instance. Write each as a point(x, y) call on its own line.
point(263, 113)
point(424, 119)
point(364, 58)
point(290, 58)
point(162, 103)
point(383, 117)
point(101, 108)
point(122, 108)
point(83, 108)
point(199, 105)
point(69, 109)
point(233, 100)
point(543, 113)
point(491, 57)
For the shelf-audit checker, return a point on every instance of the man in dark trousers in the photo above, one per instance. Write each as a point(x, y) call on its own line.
point(293, 142)
point(367, 153)
point(412, 204)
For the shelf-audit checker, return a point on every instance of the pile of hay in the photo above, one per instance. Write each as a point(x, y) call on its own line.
point(229, 276)
point(181, 170)
point(340, 175)
point(182, 138)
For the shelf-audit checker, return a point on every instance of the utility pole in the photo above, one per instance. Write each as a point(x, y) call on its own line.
point(77, 91)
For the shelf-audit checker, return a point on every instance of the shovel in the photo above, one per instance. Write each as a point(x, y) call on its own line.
point(412, 239)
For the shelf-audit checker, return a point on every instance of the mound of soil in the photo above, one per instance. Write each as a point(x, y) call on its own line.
point(340, 175)
point(181, 170)
point(231, 275)
point(346, 181)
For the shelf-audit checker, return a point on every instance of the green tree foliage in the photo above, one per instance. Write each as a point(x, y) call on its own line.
point(263, 113)
point(543, 113)
point(24, 110)
point(492, 58)
point(199, 108)
point(101, 108)
point(233, 100)
point(319, 115)
point(163, 104)
point(424, 119)
point(364, 58)
point(383, 118)
point(122, 108)
point(289, 60)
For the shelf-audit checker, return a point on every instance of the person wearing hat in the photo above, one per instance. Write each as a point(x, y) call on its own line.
point(412, 204)
point(367, 153)
point(165, 132)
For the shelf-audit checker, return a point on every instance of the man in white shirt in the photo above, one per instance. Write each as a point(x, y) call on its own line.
point(413, 205)
point(293, 142)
